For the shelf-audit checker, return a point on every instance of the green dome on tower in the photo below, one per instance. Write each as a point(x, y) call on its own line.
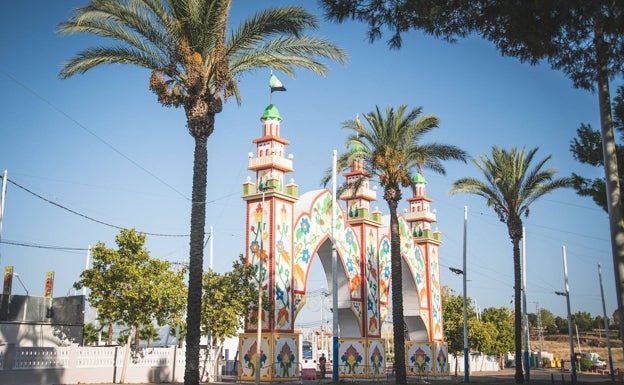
point(271, 112)
point(356, 147)
point(418, 179)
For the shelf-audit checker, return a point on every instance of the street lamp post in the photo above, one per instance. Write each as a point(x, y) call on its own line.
point(570, 333)
point(606, 325)
point(25, 301)
point(334, 257)
point(463, 273)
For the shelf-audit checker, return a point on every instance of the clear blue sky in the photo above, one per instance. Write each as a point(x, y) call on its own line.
point(70, 140)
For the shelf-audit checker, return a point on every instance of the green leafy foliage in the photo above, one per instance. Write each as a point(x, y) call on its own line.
point(228, 298)
point(128, 286)
point(91, 334)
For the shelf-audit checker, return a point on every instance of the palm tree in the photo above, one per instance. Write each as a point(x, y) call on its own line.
point(510, 187)
point(391, 149)
point(149, 333)
point(196, 65)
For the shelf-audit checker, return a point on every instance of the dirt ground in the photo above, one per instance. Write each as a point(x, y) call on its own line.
point(559, 345)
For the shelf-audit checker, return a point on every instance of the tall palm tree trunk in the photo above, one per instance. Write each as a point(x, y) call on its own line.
point(198, 220)
point(517, 309)
point(397, 296)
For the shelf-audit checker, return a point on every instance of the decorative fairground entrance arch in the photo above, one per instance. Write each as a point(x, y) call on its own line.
point(286, 231)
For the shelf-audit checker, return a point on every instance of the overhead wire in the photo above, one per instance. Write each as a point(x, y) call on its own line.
point(82, 126)
point(88, 217)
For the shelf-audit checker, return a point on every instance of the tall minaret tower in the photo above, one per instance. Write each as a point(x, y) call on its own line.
point(270, 203)
point(358, 197)
point(421, 217)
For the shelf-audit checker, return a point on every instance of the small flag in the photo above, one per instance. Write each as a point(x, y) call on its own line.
point(275, 84)
point(8, 280)
point(49, 284)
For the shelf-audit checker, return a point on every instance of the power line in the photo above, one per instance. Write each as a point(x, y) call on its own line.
point(88, 217)
point(69, 117)
point(40, 246)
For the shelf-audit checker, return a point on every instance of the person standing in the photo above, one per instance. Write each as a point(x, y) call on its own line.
point(322, 362)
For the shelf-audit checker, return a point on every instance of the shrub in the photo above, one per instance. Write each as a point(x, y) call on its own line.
point(546, 363)
point(586, 364)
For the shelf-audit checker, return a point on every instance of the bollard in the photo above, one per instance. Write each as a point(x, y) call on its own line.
point(552, 378)
point(562, 379)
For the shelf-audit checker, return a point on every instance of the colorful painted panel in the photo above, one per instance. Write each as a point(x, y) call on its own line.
point(258, 236)
point(376, 358)
point(351, 354)
point(436, 297)
point(311, 229)
point(441, 367)
point(419, 273)
point(282, 305)
point(419, 359)
point(384, 269)
point(248, 354)
point(373, 324)
point(285, 360)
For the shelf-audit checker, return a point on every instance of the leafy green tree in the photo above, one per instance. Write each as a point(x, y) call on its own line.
point(227, 300)
point(511, 185)
point(453, 315)
point(390, 146)
point(562, 325)
point(482, 335)
point(195, 64)
point(587, 149)
point(548, 321)
point(502, 320)
point(128, 286)
point(583, 39)
point(583, 321)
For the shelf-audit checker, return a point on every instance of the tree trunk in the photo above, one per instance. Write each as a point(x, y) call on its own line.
point(398, 324)
point(517, 310)
point(614, 204)
point(196, 260)
point(109, 338)
point(126, 358)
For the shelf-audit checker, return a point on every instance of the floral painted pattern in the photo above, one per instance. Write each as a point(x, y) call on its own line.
point(250, 359)
point(285, 360)
point(441, 359)
point(436, 297)
point(376, 360)
point(372, 284)
point(283, 269)
point(351, 359)
point(420, 361)
point(313, 228)
point(259, 235)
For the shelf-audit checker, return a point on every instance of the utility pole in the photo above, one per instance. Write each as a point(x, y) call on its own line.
point(466, 365)
point(540, 332)
point(2, 198)
point(606, 324)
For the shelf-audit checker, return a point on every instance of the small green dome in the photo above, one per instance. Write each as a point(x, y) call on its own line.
point(271, 112)
point(357, 147)
point(419, 179)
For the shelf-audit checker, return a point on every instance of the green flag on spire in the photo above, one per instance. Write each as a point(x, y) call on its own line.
point(275, 84)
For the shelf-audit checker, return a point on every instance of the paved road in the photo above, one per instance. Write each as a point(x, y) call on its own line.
point(544, 376)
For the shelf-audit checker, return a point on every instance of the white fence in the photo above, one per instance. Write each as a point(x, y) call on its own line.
point(85, 364)
point(476, 363)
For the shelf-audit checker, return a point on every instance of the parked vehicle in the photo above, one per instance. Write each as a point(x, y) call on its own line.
point(597, 363)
